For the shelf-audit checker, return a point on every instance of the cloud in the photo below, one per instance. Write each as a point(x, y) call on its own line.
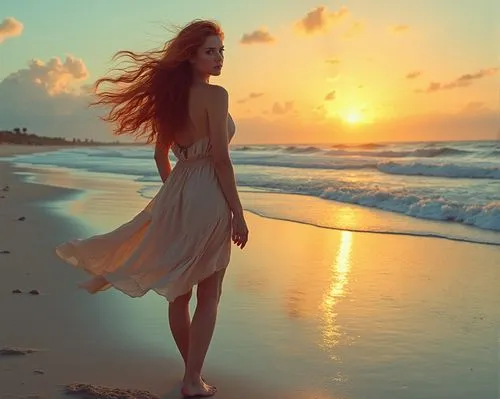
point(436, 86)
point(414, 75)
point(49, 99)
point(257, 36)
point(54, 77)
point(255, 95)
point(10, 27)
point(474, 107)
point(460, 82)
point(483, 73)
point(400, 28)
point(330, 96)
point(320, 19)
point(279, 109)
point(332, 61)
point(251, 96)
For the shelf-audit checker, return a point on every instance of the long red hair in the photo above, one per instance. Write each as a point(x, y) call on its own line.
point(150, 97)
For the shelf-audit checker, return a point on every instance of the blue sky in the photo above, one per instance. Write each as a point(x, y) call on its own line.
point(441, 40)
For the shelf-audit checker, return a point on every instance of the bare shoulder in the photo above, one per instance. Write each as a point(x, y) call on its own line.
point(215, 94)
point(217, 90)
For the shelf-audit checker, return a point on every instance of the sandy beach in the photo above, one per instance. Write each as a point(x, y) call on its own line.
point(387, 316)
point(56, 338)
point(7, 150)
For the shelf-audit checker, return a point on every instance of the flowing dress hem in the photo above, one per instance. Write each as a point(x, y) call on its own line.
point(68, 252)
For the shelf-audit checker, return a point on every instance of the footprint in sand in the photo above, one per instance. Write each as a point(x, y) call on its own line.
point(98, 391)
point(13, 351)
point(32, 292)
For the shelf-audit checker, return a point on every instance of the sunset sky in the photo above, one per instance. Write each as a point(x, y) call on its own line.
point(297, 71)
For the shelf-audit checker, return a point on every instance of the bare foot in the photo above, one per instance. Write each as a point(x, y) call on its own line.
point(94, 284)
point(197, 389)
point(213, 386)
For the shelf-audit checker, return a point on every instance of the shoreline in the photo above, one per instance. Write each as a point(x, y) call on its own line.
point(322, 213)
point(395, 233)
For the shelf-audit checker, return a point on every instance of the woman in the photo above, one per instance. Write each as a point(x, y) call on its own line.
point(183, 236)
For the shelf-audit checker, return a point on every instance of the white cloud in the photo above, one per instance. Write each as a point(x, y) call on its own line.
point(48, 98)
point(55, 76)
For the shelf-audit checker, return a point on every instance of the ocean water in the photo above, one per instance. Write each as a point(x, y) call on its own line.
point(441, 189)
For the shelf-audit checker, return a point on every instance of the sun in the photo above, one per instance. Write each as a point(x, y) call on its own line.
point(353, 117)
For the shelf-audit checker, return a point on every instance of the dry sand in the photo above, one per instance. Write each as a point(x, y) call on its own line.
point(7, 150)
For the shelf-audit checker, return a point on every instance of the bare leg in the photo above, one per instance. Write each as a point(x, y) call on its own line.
point(180, 323)
point(201, 332)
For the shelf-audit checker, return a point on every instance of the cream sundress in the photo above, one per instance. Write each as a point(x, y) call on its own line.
point(180, 238)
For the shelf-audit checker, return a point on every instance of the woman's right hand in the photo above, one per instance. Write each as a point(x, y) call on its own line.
point(240, 230)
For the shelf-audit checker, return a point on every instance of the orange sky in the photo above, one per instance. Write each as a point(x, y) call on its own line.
point(308, 73)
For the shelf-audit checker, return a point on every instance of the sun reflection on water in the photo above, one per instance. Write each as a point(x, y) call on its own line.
point(340, 268)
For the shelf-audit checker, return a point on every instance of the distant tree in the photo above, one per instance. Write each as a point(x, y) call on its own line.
point(17, 130)
point(24, 130)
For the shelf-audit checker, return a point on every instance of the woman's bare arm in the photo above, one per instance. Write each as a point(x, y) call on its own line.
point(162, 161)
point(217, 109)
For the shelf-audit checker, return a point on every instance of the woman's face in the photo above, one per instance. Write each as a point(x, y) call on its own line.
point(209, 58)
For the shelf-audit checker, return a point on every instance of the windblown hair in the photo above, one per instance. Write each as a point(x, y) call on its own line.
point(149, 99)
